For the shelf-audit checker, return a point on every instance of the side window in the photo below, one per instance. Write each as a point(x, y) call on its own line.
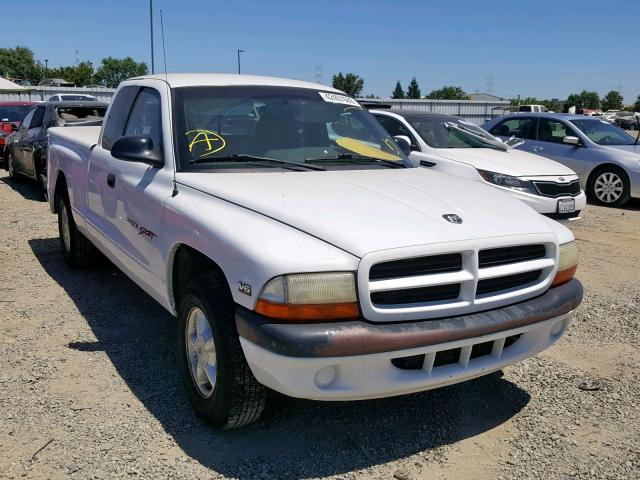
point(26, 121)
point(521, 127)
point(38, 116)
point(118, 113)
point(394, 127)
point(552, 131)
point(146, 117)
point(524, 108)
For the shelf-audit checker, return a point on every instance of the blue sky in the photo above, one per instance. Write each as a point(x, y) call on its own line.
point(537, 48)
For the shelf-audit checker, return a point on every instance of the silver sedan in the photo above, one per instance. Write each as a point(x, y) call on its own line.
point(605, 157)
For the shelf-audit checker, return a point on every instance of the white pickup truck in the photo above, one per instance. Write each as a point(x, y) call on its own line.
point(300, 251)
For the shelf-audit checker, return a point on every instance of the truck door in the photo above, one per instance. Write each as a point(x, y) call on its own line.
point(128, 196)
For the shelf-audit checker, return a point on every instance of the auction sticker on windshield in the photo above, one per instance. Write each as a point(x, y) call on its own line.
point(335, 98)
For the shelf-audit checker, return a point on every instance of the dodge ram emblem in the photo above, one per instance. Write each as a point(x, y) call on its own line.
point(452, 218)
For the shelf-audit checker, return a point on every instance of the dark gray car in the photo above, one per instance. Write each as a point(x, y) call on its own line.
point(605, 157)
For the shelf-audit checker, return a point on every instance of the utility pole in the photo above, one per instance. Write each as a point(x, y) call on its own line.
point(153, 67)
point(46, 68)
point(239, 52)
point(318, 75)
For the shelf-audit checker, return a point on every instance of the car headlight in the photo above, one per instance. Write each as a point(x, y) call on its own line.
point(507, 181)
point(309, 297)
point(567, 263)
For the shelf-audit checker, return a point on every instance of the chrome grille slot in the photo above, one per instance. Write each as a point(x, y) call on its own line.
point(497, 284)
point(554, 189)
point(451, 262)
point(505, 255)
point(436, 293)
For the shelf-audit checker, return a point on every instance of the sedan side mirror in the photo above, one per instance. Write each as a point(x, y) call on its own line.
point(571, 140)
point(404, 143)
point(137, 149)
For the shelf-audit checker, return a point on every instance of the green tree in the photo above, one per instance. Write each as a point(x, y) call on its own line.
point(612, 101)
point(18, 63)
point(81, 74)
point(398, 92)
point(448, 93)
point(349, 83)
point(584, 99)
point(413, 91)
point(112, 71)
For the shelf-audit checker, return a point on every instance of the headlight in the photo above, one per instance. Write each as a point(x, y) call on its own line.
point(567, 263)
point(309, 296)
point(507, 181)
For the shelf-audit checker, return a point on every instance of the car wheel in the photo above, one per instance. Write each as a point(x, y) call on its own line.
point(77, 250)
point(609, 186)
point(11, 166)
point(218, 380)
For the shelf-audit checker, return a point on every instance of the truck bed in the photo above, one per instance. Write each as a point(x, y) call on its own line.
point(80, 136)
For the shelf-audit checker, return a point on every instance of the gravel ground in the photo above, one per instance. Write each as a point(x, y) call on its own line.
point(90, 387)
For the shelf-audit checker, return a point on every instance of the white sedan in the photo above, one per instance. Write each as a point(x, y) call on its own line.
point(458, 147)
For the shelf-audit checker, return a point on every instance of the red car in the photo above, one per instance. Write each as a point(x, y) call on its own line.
point(11, 114)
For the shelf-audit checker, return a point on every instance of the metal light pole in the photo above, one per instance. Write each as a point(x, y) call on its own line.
point(239, 52)
point(46, 68)
point(153, 68)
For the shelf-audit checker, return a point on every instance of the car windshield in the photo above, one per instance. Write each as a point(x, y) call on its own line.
point(603, 133)
point(269, 126)
point(452, 132)
point(13, 113)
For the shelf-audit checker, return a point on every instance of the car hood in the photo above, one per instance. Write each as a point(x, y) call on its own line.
point(512, 162)
point(361, 211)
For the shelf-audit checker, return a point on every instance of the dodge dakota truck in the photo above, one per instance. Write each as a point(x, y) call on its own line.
point(299, 249)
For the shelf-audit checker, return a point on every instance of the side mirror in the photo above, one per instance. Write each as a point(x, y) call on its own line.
point(404, 143)
point(571, 140)
point(137, 149)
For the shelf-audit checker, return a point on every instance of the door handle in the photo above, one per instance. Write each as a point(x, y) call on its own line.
point(111, 180)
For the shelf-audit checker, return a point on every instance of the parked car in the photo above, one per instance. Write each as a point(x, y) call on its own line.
point(606, 158)
point(56, 82)
point(300, 251)
point(72, 97)
point(10, 115)
point(455, 146)
point(626, 120)
point(26, 149)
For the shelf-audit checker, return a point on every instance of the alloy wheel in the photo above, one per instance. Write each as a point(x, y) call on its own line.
point(608, 187)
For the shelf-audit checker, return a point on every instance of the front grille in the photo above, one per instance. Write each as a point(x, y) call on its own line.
point(493, 285)
point(437, 293)
point(477, 275)
point(505, 255)
point(553, 189)
point(451, 262)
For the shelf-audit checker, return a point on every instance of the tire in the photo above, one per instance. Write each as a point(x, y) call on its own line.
point(11, 167)
point(77, 250)
point(609, 186)
point(42, 180)
point(218, 380)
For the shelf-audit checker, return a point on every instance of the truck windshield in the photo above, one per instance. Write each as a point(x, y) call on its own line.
point(451, 132)
point(231, 127)
point(603, 133)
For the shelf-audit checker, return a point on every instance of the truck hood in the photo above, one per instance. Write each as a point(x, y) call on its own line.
point(512, 162)
point(361, 211)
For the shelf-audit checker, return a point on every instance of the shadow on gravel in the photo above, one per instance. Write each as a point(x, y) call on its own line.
point(295, 438)
point(26, 187)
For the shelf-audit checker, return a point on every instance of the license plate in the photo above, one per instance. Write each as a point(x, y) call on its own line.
point(566, 205)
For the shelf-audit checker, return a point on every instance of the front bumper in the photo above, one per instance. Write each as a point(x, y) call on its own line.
point(548, 205)
point(353, 360)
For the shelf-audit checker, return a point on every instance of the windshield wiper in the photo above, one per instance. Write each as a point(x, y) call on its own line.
point(356, 159)
point(253, 159)
point(482, 138)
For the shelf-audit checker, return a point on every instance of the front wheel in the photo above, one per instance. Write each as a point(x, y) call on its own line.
point(609, 186)
point(219, 383)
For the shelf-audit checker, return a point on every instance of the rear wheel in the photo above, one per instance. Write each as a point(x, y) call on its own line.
point(77, 250)
point(609, 186)
point(219, 382)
